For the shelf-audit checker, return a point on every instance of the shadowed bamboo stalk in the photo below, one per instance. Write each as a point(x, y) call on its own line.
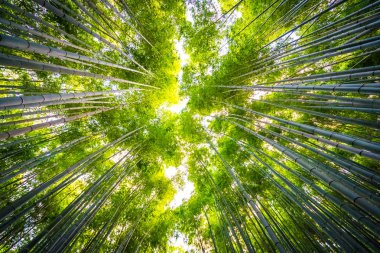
point(71, 20)
point(328, 38)
point(24, 130)
point(25, 100)
point(264, 222)
point(18, 43)
point(15, 61)
point(47, 24)
point(355, 198)
point(57, 110)
point(44, 104)
point(39, 34)
point(354, 141)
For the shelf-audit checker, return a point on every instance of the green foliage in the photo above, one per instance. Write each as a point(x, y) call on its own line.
point(254, 168)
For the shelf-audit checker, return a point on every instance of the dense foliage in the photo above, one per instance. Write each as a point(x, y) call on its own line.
point(189, 126)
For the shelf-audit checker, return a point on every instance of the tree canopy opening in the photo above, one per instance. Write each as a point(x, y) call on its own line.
point(189, 126)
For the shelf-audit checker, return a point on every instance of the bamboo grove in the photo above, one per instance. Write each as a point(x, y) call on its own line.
point(189, 126)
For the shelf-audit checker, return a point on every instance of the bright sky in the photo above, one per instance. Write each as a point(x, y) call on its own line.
point(206, 121)
point(184, 191)
point(179, 240)
point(257, 94)
point(183, 56)
point(227, 25)
point(189, 15)
point(170, 172)
point(293, 36)
point(183, 194)
point(118, 156)
point(175, 108)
